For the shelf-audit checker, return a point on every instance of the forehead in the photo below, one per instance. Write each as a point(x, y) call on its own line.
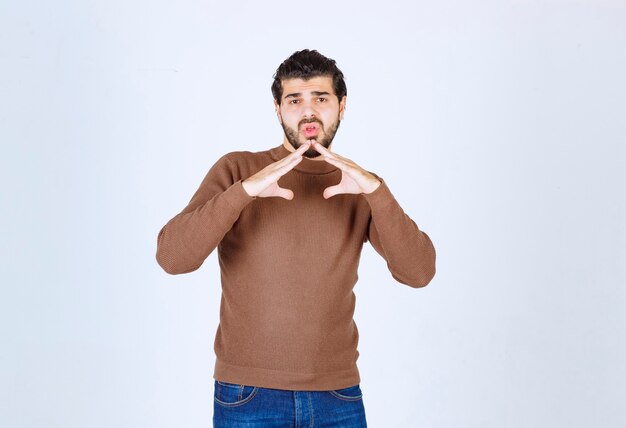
point(318, 84)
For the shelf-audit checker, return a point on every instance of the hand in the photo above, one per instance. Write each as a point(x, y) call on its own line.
point(265, 182)
point(354, 179)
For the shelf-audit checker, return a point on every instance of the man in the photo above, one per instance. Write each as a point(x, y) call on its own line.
point(289, 224)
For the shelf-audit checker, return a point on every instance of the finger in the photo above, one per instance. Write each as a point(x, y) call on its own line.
point(331, 191)
point(274, 171)
point(321, 149)
point(332, 155)
point(303, 148)
point(338, 163)
point(324, 151)
point(285, 168)
point(291, 156)
point(284, 165)
point(285, 193)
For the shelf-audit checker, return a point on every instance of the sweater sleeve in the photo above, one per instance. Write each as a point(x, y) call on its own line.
point(187, 239)
point(409, 252)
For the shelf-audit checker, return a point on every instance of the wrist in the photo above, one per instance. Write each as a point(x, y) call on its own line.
point(244, 185)
point(376, 184)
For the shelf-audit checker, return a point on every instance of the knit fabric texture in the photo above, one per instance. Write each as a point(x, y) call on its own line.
point(288, 268)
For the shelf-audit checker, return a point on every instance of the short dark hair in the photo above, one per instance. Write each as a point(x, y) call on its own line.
point(306, 64)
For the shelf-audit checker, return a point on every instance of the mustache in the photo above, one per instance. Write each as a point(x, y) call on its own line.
point(312, 120)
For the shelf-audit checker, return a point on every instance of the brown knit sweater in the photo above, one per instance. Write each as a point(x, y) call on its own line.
point(288, 268)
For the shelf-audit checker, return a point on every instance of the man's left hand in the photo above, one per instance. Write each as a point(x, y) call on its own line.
point(354, 179)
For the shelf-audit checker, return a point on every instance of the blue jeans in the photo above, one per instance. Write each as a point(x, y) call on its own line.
point(243, 406)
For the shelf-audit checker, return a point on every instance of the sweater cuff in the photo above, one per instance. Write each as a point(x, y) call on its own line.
point(381, 197)
point(237, 197)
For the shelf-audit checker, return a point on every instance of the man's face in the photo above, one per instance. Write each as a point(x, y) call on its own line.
point(309, 110)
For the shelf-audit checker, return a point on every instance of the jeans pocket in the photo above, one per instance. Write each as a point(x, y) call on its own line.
point(231, 394)
point(351, 393)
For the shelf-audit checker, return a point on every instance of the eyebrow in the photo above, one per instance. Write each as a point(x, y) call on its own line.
point(299, 94)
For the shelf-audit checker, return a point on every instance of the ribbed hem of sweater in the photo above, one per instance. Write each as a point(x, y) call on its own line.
point(291, 381)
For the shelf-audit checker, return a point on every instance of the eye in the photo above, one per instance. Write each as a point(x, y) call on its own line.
point(294, 101)
point(322, 99)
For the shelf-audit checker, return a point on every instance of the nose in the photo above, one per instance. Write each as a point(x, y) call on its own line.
point(308, 111)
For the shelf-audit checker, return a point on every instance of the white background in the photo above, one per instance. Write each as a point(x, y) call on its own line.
point(498, 125)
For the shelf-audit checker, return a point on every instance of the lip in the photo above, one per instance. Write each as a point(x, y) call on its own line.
point(310, 127)
point(310, 131)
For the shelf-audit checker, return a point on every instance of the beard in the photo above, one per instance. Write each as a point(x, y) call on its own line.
point(296, 140)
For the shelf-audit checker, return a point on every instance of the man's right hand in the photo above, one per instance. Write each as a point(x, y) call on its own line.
point(265, 182)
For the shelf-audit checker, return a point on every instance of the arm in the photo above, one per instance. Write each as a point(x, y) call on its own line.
point(187, 239)
point(409, 252)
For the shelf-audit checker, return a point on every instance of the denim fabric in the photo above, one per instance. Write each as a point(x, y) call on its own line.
point(243, 406)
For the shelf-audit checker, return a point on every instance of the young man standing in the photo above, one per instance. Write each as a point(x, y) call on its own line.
point(289, 224)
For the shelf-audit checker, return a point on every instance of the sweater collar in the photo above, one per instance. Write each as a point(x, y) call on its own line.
point(305, 165)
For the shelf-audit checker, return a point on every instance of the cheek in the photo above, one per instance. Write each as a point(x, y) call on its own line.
point(289, 116)
point(330, 118)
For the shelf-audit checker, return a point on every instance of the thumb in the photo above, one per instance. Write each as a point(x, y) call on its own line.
point(331, 191)
point(284, 193)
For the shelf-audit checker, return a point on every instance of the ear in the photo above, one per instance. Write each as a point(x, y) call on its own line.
point(277, 108)
point(342, 107)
